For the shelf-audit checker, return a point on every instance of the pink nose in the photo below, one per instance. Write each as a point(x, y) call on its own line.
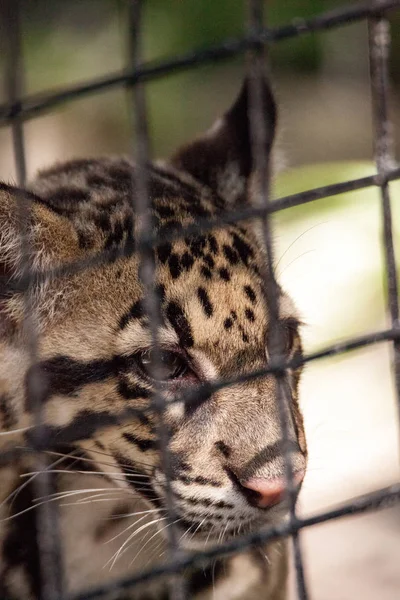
point(270, 491)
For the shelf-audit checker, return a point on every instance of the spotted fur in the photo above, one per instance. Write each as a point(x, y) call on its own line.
point(96, 396)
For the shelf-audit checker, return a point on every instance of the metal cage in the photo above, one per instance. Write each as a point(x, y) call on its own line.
point(19, 109)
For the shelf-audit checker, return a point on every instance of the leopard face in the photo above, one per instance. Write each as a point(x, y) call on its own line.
point(96, 353)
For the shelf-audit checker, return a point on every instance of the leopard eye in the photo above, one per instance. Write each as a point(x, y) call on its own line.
point(171, 365)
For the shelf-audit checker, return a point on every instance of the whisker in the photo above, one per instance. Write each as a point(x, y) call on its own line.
point(297, 239)
point(131, 536)
point(158, 532)
point(12, 431)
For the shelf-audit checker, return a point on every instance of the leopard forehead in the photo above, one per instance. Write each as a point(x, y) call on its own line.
point(210, 285)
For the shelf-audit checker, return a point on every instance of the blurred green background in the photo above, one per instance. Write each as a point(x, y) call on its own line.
point(329, 254)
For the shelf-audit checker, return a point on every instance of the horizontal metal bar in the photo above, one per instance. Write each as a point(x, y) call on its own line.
point(31, 106)
point(150, 240)
point(49, 438)
point(383, 498)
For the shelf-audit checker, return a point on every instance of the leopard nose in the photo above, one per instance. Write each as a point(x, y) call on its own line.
point(265, 493)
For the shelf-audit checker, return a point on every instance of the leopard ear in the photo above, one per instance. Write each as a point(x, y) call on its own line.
point(51, 240)
point(222, 157)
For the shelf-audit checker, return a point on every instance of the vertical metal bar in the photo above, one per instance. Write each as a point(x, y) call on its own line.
point(14, 79)
point(152, 301)
point(275, 338)
point(47, 526)
point(379, 46)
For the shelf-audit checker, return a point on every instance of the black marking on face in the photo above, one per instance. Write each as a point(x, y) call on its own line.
point(228, 323)
point(244, 250)
point(250, 293)
point(213, 244)
point(197, 245)
point(187, 261)
point(169, 227)
point(205, 271)
point(143, 444)
point(84, 425)
point(141, 484)
point(186, 480)
point(209, 260)
point(115, 237)
point(231, 256)
point(165, 211)
point(223, 448)
point(164, 252)
point(174, 265)
point(131, 391)
point(205, 301)
point(179, 322)
point(135, 312)
point(224, 274)
point(65, 376)
point(249, 315)
point(204, 501)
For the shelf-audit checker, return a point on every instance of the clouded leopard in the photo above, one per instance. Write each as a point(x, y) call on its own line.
point(95, 356)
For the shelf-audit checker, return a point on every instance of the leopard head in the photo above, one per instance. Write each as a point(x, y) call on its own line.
point(95, 352)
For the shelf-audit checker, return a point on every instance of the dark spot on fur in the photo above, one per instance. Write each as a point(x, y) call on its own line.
point(164, 252)
point(224, 274)
point(131, 392)
point(165, 211)
point(249, 315)
point(250, 293)
point(135, 312)
point(223, 448)
point(143, 444)
point(230, 254)
point(115, 237)
point(169, 227)
point(209, 260)
point(244, 250)
point(174, 265)
point(142, 484)
point(245, 337)
point(206, 272)
point(233, 315)
point(213, 244)
point(197, 246)
point(205, 301)
point(180, 323)
point(102, 221)
point(187, 261)
point(228, 323)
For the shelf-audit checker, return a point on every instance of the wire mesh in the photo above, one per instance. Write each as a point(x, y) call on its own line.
point(19, 109)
